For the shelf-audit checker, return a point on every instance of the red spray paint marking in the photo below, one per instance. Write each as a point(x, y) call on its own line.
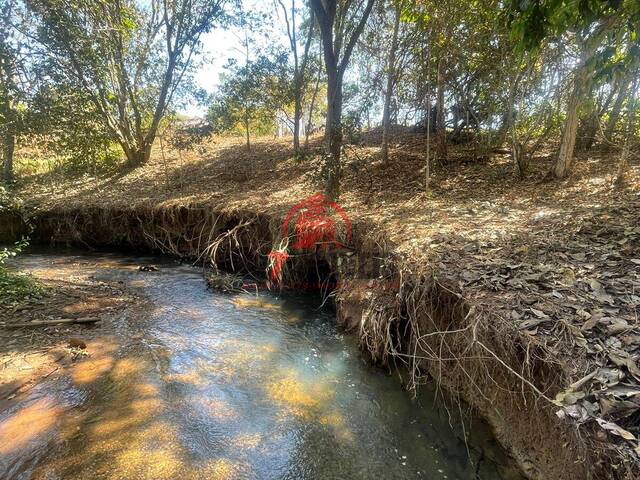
point(315, 225)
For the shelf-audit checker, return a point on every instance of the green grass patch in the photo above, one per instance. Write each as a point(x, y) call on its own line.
point(18, 287)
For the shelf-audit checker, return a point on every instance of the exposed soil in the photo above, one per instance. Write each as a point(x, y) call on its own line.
point(521, 295)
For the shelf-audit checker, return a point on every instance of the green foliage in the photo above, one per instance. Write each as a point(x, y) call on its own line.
point(14, 287)
point(533, 21)
point(66, 122)
point(129, 59)
point(253, 93)
point(17, 287)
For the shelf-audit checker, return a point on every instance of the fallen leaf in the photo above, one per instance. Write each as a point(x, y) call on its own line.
point(539, 313)
point(623, 359)
point(618, 325)
point(615, 429)
point(568, 397)
point(617, 408)
point(599, 292)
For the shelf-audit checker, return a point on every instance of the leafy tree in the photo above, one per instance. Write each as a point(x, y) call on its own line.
point(251, 95)
point(12, 87)
point(127, 57)
point(65, 122)
point(300, 65)
point(597, 26)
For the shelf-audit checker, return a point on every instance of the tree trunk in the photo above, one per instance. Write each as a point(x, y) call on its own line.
point(507, 117)
point(312, 108)
point(623, 165)
point(8, 148)
point(8, 128)
point(297, 115)
point(326, 13)
point(617, 107)
point(441, 132)
point(587, 131)
point(333, 134)
point(246, 130)
point(391, 64)
point(521, 158)
point(427, 162)
point(137, 155)
point(565, 155)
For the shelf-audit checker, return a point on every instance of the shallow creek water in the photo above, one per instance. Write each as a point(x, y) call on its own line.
point(213, 386)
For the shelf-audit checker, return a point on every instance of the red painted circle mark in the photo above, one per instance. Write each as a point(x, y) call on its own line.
point(314, 224)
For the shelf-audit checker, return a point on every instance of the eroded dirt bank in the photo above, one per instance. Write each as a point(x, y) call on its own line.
point(515, 293)
point(402, 315)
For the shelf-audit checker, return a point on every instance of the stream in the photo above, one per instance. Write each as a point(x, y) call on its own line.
point(200, 384)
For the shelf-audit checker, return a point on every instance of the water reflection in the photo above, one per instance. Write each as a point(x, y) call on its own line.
point(228, 387)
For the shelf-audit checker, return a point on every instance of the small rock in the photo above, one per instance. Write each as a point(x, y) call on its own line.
point(148, 268)
point(77, 343)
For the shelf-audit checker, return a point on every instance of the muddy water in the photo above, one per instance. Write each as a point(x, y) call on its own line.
point(212, 386)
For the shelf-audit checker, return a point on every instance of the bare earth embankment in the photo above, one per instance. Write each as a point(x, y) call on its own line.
point(520, 295)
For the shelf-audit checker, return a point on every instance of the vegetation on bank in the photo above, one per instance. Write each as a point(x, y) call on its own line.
point(17, 288)
point(14, 286)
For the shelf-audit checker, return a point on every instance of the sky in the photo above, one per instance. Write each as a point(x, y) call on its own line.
point(221, 44)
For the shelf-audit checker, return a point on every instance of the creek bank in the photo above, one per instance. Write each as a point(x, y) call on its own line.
point(71, 309)
point(403, 314)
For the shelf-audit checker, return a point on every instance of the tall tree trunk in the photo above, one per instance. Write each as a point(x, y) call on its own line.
point(441, 133)
point(563, 162)
point(246, 130)
point(7, 112)
point(326, 13)
point(333, 134)
point(8, 148)
point(587, 130)
point(623, 164)
point(297, 116)
point(312, 108)
point(391, 74)
point(565, 155)
point(507, 117)
point(617, 106)
point(427, 162)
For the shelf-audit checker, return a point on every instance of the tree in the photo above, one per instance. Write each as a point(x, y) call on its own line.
point(10, 88)
point(251, 95)
point(580, 86)
point(391, 80)
point(299, 67)
point(341, 24)
point(129, 58)
point(593, 23)
point(632, 107)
